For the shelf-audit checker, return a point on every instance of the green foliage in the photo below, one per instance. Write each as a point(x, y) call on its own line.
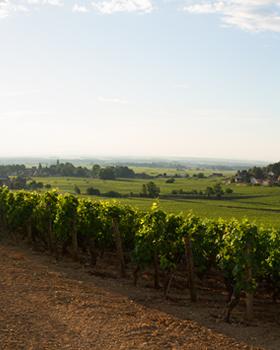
point(112, 194)
point(77, 189)
point(21, 209)
point(233, 247)
point(66, 216)
point(148, 237)
point(107, 173)
point(5, 199)
point(90, 223)
point(171, 244)
point(91, 191)
point(170, 181)
point(257, 203)
point(96, 170)
point(239, 249)
point(218, 190)
point(150, 190)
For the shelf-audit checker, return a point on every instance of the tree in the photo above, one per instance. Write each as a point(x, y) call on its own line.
point(77, 189)
point(144, 192)
point(200, 176)
point(209, 191)
point(18, 183)
point(258, 173)
point(124, 172)
point(218, 190)
point(40, 168)
point(107, 173)
point(112, 194)
point(34, 185)
point(93, 191)
point(152, 189)
point(95, 170)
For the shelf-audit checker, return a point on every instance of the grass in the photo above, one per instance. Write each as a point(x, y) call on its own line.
point(260, 204)
point(172, 171)
point(126, 186)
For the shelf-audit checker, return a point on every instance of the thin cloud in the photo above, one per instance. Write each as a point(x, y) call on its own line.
point(46, 2)
point(4, 8)
point(80, 9)
point(7, 7)
point(113, 6)
point(249, 15)
point(115, 100)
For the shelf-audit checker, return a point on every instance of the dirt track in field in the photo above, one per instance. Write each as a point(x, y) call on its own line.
point(44, 305)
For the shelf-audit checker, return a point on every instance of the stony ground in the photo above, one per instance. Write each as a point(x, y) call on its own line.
point(48, 305)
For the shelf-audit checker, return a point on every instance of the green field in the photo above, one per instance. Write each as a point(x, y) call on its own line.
point(260, 204)
point(173, 171)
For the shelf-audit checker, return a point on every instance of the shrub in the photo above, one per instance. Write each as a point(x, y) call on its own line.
point(93, 191)
point(77, 189)
point(112, 194)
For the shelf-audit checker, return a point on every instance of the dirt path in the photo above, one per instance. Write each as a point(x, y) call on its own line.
point(43, 306)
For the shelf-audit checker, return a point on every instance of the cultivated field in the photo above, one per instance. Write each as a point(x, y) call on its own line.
point(258, 203)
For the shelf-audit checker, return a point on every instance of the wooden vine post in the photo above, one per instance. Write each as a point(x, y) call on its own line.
point(156, 270)
point(50, 234)
point(50, 237)
point(29, 232)
point(92, 251)
point(118, 242)
point(52, 240)
point(249, 279)
point(190, 268)
point(74, 241)
point(167, 284)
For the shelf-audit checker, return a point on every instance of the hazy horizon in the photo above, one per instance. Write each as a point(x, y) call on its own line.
point(134, 159)
point(140, 78)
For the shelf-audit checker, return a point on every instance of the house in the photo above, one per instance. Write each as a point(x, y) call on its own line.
point(255, 181)
point(28, 172)
point(238, 179)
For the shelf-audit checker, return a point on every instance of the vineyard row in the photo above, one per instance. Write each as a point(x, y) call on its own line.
point(245, 255)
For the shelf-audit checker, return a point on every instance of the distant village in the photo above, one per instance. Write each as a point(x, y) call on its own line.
point(266, 176)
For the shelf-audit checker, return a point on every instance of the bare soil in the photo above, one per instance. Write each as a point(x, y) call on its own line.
point(45, 304)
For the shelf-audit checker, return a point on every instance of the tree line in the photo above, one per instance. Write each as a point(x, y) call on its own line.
point(69, 170)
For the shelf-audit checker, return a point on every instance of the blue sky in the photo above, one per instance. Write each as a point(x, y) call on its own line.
point(140, 78)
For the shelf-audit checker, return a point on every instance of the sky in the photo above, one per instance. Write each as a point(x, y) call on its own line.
point(184, 78)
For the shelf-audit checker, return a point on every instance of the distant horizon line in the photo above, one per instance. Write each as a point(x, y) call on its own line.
point(135, 158)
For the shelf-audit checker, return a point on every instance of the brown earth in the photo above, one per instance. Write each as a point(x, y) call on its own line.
point(50, 305)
